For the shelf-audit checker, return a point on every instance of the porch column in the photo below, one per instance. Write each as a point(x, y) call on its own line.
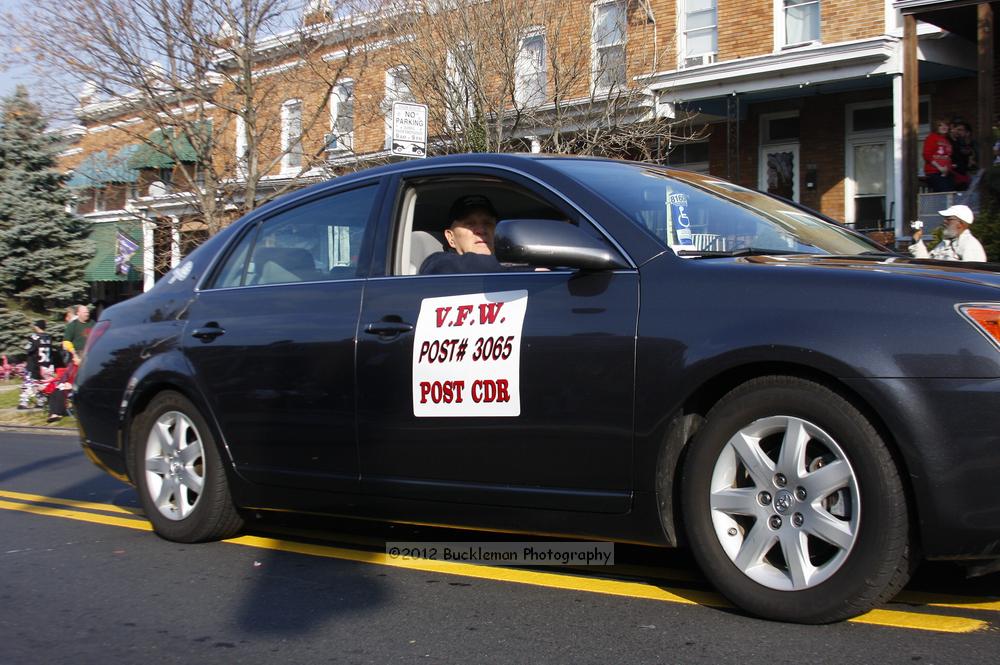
point(901, 223)
point(911, 120)
point(175, 240)
point(984, 45)
point(148, 269)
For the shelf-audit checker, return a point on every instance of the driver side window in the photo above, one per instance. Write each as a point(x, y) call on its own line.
point(428, 206)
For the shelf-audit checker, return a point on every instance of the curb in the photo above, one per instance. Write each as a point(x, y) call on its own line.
point(39, 429)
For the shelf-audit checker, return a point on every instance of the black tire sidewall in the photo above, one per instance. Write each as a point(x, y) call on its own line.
point(198, 525)
point(881, 541)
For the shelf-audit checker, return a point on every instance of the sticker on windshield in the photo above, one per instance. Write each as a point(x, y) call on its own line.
point(467, 355)
point(677, 205)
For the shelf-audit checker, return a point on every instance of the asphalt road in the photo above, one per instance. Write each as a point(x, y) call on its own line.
point(88, 583)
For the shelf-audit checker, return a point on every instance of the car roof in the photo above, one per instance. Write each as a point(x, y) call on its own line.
point(488, 158)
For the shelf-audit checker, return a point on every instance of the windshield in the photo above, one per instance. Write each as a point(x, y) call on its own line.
point(696, 214)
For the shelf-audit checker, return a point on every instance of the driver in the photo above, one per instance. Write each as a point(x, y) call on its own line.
point(470, 239)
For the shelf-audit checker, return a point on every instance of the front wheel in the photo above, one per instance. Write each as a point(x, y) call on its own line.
point(793, 505)
point(178, 472)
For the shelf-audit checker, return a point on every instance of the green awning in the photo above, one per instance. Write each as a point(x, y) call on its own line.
point(165, 147)
point(102, 268)
point(98, 169)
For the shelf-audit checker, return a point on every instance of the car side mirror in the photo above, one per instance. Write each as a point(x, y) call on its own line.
point(548, 243)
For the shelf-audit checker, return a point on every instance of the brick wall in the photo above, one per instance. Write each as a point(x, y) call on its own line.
point(746, 28)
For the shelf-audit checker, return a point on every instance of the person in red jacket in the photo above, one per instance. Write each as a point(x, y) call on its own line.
point(938, 166)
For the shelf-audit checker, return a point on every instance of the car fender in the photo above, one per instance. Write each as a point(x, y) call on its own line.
point(165, 371)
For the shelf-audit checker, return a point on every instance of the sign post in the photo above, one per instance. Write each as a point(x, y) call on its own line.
point(409, 129)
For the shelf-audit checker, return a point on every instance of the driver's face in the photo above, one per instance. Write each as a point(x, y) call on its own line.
point(473, 234)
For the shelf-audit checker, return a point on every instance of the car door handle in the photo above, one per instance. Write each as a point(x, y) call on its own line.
point(209, 332)
point(387, 328)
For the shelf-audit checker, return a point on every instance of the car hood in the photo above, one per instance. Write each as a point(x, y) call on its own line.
point(982, 274)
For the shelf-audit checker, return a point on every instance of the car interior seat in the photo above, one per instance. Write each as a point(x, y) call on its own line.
point(422, 245)
point(275, 265)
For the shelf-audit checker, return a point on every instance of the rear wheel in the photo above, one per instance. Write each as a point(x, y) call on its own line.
point(793, 504)
point(179, 474)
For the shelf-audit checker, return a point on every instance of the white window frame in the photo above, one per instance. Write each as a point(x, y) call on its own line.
point(459, 85)
point(241, 148)
point(682, 30)
point(341, 141)
point(531, 87)
point(779, 27)
point(392, 95)
point(291, 146)
point(594, 48)
point(764, 129)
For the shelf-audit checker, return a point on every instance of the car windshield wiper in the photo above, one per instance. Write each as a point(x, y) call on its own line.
point(875, 252)
point(742, 251)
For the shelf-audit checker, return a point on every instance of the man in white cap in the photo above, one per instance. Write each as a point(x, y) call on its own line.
point(957, 242)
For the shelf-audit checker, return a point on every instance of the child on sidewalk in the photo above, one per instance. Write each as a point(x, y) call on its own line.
point(39, 363)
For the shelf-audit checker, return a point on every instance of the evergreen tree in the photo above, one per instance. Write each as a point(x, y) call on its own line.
point(43, 248)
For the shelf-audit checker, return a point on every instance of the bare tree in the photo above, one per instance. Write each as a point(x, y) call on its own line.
point(500, 75)
point(211, 83)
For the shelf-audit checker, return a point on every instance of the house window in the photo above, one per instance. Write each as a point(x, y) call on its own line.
point(341, 135)
point(531, 84)
point(241, 147)
point(609, 29)
point(100, 199)
point(699, 32)
point(460, 103)
point(799, 22)
point(779, 127)
point(398, 88)
point(690, 156)
point(291, 135)
point(166, 176)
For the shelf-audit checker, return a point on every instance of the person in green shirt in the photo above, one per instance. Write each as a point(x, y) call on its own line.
point(77, 330)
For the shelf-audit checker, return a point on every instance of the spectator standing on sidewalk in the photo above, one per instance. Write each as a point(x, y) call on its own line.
point(937, 159)
point(963, 153)
point(39, 361)
point(76, 332)
point(957, 243)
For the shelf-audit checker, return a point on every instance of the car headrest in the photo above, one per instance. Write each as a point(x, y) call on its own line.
point(422, 245)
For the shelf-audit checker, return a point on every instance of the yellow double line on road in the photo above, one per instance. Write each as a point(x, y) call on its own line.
point(101, 513)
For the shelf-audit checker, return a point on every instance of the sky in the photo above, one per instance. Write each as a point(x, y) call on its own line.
point(11, 77)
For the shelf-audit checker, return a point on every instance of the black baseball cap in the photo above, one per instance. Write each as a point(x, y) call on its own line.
point(463, 205)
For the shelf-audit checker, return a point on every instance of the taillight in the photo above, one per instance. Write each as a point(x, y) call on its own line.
point(985, 317)
point(99, 329)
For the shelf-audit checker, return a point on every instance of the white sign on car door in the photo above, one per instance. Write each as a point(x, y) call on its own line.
point(409, 129)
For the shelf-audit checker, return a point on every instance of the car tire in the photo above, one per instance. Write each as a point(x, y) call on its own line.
point(793, 505)
point(179, 473)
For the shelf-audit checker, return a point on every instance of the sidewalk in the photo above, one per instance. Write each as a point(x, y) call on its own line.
point(11, 416)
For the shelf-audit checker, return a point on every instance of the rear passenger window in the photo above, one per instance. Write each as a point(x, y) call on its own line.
point(231, 273)
point(315, 242)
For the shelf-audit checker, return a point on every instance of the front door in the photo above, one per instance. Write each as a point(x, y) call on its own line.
point(272, 343)
point(508, 388)
point(779, 170)
point(869, 184)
